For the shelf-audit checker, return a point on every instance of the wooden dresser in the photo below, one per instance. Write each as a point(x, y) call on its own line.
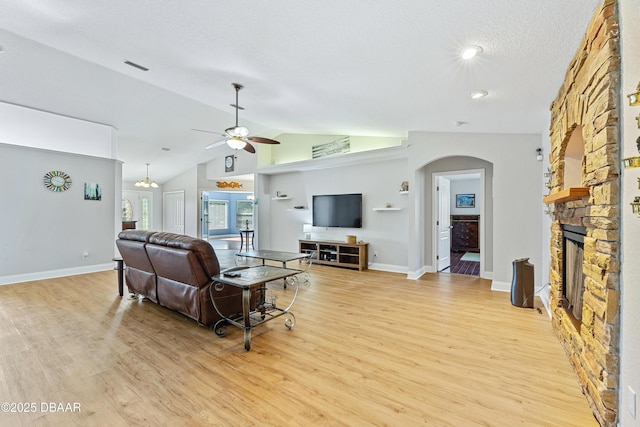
point(465, 233)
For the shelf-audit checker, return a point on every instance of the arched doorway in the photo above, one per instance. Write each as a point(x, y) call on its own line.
point(457, 167)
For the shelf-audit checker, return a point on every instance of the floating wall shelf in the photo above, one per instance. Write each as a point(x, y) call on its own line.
point(387, 209)
point(631, 162)
point(281, 198)
point(566, 195)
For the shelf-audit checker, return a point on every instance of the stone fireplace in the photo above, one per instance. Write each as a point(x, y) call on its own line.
point(585, 197)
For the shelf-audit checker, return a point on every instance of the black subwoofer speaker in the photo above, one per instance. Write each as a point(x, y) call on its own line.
point(522, 284)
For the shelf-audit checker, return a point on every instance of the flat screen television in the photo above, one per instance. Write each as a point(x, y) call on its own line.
point(337, 210)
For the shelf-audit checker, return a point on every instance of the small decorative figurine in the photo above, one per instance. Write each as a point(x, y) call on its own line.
point(634, 98)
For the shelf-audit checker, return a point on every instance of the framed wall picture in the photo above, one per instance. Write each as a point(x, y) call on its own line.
point(229, 163)
point(92, 191)
point(465, 200)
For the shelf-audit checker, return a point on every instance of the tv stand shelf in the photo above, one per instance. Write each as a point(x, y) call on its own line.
point(336, 253)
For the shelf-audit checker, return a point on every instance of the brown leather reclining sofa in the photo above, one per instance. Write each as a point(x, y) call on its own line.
point(175, 271)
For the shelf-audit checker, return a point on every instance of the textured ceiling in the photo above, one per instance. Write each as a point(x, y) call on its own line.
point(359, 67)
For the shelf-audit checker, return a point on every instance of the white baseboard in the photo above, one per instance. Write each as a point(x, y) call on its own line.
point(501, 286)
point(388, 267)
point(51, 274)
point(415, 275)
point(486, 275)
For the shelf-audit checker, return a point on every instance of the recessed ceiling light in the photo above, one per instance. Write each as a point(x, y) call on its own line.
point(479, 94)
point(471, 51)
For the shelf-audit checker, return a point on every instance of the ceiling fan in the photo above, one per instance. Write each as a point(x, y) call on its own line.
point(237, 137)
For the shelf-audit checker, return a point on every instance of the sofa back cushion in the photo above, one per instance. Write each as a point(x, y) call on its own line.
point(202, 249)
point(177, 264)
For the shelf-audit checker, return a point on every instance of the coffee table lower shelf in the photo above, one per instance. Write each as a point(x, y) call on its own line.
point(256, 318)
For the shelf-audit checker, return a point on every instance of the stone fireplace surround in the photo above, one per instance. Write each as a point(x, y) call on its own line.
point(588, 103)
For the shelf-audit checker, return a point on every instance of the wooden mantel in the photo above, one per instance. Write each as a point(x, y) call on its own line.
point(566, 195)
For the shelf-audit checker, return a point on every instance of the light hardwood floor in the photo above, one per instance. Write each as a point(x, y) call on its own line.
point(369, 348)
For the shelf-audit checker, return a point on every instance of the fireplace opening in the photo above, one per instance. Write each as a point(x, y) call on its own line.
point(572, 274)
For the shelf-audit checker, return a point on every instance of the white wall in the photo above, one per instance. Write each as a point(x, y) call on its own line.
point(297, 147)
point(544, 294)
point(245, 163)
point(33, 128)
point(379, 182)
point(516, 193)
point(45, 233)
point(629, 14)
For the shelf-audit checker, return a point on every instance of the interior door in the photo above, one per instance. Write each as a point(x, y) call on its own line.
point(173, 206)
point(443, 223)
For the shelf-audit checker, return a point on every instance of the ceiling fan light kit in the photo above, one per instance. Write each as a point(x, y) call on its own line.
point(237, 131)
point(236, 143)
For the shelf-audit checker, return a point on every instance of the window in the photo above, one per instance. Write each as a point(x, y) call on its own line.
point(145, 213)
point(218, 214)
point(127, 210)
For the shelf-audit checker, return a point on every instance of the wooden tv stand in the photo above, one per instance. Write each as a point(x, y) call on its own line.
point(336, 253)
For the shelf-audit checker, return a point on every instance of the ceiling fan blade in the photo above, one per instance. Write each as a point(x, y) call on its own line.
point(207, 131)
point(248, 147)
point(262, 140)
point(216, 144)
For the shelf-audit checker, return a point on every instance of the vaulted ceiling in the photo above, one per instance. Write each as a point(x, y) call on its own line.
point(358, 67)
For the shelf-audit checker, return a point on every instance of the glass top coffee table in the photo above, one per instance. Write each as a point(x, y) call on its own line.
point(254, 279)
point(279, 256)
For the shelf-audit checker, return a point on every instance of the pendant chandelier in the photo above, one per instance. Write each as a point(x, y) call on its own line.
point(146, 183)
